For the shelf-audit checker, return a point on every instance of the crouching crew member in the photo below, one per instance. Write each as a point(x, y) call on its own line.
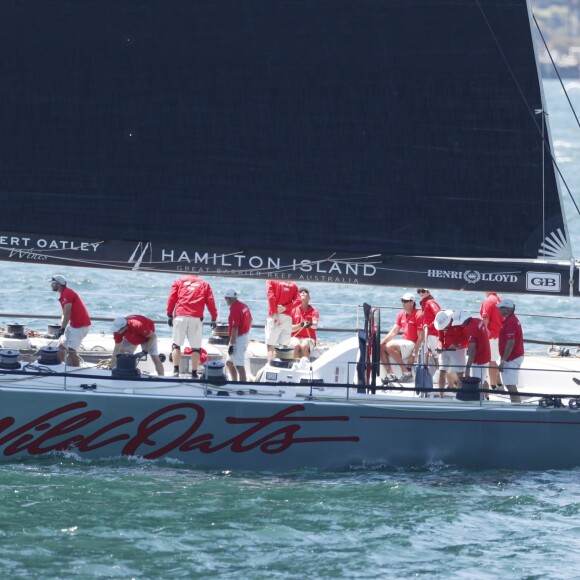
point(478, 350)
point(452, 344)
point(132, 331)
point(239, 325)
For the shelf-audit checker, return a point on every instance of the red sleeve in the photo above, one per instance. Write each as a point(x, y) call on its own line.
point(172, 299)
point(272, 297)
point(210, 302)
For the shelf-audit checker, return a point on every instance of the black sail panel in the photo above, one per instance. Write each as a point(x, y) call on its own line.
point(303, 129)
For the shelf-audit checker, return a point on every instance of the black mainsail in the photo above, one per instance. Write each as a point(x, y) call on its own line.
point(392, 142)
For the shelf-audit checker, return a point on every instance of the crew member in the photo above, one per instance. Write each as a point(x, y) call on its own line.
point(131, 331)
point(511, 348)
point(239, 325)
point(403, 350)
point(74, 323)
point(478, 351)
point(188, 298)
point(492, 319)
point(283, 297)
point(305, 322)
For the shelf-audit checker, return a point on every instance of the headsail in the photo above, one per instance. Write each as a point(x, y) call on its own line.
point(357, 141)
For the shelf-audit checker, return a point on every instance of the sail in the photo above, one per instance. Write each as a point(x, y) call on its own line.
point(361, 141)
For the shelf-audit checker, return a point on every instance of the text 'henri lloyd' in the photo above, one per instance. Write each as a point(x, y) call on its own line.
point(473, 276)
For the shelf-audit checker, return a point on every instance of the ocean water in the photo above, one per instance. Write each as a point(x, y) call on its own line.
point(65, 517)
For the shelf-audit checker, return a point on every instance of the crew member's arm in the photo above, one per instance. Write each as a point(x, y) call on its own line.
point(114, 355)
point(66, 310)
point(392, 333)
point(420, 337)
point(509, 346)
point(470, 357)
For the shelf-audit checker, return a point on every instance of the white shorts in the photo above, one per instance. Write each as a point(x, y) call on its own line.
point(511, 371)
point(453, 361)
point(187, 327)
point(126, 346)
point(431, 343)
point(73, 337)
point(295, 341)
point(405, 346)
point(479, 371)
point(278, 329)
point(239, 356)
point(494, 346)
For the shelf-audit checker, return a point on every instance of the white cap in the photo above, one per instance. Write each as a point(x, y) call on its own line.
point(59, 280)
point(460, 316)
point(443, 319)
point(118, 323)
point(408, 296)
point(506, 303)
point(230, 293)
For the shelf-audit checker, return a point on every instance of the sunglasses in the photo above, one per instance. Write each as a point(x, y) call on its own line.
point(421, 291)
point(403, 301)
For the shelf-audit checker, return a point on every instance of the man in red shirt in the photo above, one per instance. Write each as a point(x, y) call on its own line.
point(131, 331)
point(239, 325)
point(304, 324)
point(478, 351)
point(188, 298)
point(452, 342)
point(403, 350)
point(429, 309)
point(74, 323)
point(511, 348)
point(492, 319)
point(283, 297)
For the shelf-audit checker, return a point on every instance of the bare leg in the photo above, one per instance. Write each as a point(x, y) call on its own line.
point(72, 358)
point(514, 395)
point(494, 375)
point(270, 352)
point(194, 361)
point(242, 374)
point(442, 377)
point(394, 352)
point(385, 361)
point(232, 369)
point(176, 356)
point(158, 364)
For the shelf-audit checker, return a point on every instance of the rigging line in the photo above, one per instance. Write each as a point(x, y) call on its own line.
point(556, 69)
point(523, 96)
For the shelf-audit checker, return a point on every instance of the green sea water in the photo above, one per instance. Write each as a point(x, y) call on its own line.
point(126, 519)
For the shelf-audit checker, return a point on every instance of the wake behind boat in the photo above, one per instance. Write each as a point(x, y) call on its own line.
point(363, 154)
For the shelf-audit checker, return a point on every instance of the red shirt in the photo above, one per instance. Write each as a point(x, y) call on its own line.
point(430, 308)
point(511, 330)
point(189, 296)
point(410, 324)
point(477, 333)
point(79, 316)
point(453, 336)
point(240, 317)
point(490, 310)
point(284, 293)
point(139, 328)
point(309, 315)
